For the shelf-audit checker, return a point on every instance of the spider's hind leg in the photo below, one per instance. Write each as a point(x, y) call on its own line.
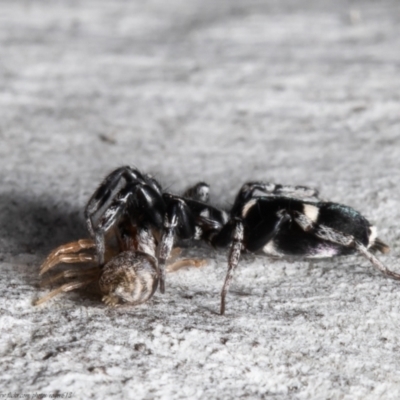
point(375, 261)
point(178, 220)
point(332, 235)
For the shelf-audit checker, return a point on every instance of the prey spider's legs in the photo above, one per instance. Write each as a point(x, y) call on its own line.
point(70, 273)
point(175, 253)
point(332, 235)
point(186, 262)
point(67, 254)
point(65, 288)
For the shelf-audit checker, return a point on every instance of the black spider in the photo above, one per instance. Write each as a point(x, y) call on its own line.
point(279, 221)
point(137, 201)
point(294, 221)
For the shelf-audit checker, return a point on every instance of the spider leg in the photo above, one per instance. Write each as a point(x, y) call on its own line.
point(132, 199)
point(280, 190)
point(68, 259)
point(271, 189)
point(111, 216)
point(66, 253)
point(282, 217)
point(186, 262)
point(70, 273)
point(165, 247)
point(178, 219)
point(106, 189)
point(64, 288)
point(233, 261)
point(343, 239)
point(378, 245)
point(175, 253)
point(295, 191)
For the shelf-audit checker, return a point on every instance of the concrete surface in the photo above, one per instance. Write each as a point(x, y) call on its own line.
point(223, 91)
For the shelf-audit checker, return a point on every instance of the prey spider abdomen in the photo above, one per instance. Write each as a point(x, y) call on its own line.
point(130, 277)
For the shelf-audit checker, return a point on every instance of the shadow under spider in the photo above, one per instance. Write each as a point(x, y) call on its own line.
point(36, 226)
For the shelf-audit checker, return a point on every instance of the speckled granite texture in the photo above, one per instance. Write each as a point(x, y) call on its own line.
point(298, 92)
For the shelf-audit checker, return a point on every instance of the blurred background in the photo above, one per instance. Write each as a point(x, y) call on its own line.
point(297, 92)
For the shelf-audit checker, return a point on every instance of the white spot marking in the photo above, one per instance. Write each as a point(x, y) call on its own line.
point(205, 213)
point(323, 252)
point(203, 192)
point(225, 217)
point(198, 233)
point(247, 207)
point(372, 236)
point(146, 242)
point(271, 250)
point(311, 212)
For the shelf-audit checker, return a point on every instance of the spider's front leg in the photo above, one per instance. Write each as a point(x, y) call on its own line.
point(106, 190)
point(233, 260)
point(139, 202)
point(240, 238)
point(187, 218)
point(178, 220)
point(248, 190)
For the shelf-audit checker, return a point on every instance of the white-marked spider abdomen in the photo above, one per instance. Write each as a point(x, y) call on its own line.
point(311, 229)
point(294, 221)
point(130, 277)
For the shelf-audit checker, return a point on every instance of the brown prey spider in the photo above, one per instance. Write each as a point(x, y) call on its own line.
point(130, 273)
